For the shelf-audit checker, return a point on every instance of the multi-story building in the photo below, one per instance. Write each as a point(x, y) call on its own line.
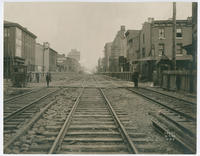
point(39, 58)
point(61, 62)
point(107, 54)
point(52, 59)
point(118, 51)
point(75, 54)
point(72, 65)
point(133, 48)
point(156, 41)
point(19, 47)
point(46, 58)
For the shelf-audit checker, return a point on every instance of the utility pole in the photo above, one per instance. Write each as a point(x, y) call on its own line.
point(174, 38)
point(174, 44)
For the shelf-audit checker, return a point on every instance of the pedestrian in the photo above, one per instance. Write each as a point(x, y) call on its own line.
point(48, 78)
point(135, 76)
point(30, 76)
point(37, 77)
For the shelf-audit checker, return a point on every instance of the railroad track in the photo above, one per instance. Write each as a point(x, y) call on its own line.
point(176, 118)
point(171, 97)
point(91, 126)
point(21, 95)
point(13, 104)
point(183, 108)
point(18, 114)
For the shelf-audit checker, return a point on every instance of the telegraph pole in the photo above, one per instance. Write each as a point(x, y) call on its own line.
point(174, 38)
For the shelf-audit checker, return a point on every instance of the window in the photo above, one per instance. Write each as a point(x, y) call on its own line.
point(143, 52)
point(179, 48)
point(143, 39)
point(179, 33)
point(161, 49)
point(18, 42)
point(161, 34)
point(130, 41)
point(6, 32)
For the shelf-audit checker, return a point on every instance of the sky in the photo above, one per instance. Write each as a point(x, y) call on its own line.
point(86, 26)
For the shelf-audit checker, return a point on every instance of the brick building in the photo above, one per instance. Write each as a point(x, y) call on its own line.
point(19, 47)
point(118, 49)
point(133, 48)
point(156, 41)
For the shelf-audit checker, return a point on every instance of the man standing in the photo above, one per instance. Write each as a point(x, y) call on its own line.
point(135, 76)
point(48, 78)
point(37, 77)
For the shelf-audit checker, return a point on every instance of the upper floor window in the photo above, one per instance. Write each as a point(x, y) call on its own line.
point(143, 52)
point(179, 33)
point(130, 41)
point(6, 32)
point(161, 49)
point(179, 48)
point(161, 34)
point(143, 38)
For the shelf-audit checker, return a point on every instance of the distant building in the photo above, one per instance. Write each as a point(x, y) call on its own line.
point(52, 59)
point(118, 49)
point(133, 47)
point(107, 54)
point(19, 47)
point(74, 54)
point(46, 58)
point(61, 62)
point(39, 58)
point(72, 65)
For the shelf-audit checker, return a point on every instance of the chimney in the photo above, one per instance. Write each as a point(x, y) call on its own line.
point(123, 28)
point(150, 19)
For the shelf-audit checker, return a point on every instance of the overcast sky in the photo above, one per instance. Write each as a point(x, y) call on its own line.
point(86, 26)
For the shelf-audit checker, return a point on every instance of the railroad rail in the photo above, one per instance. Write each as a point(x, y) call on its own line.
point(173, 104)
point(22, 95)
point(177, 118)
point(91, 126)
point(24, 112)
point(170, 96)
point(18, 104)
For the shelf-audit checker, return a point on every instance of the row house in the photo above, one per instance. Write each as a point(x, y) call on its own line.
point(107, 54)
point(118, 51)
point(155, 43)
point(19, 47)
point(133, 48)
